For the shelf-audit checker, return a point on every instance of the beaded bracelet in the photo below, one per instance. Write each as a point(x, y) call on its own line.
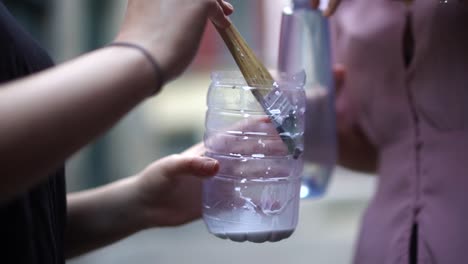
point(157, 69)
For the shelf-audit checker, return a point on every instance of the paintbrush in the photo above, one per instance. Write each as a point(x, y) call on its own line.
point(273, 101)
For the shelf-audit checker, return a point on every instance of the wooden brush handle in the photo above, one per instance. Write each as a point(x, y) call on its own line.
point(253, 70)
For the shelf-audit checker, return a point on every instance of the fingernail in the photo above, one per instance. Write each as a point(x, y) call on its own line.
point(210, 165)
point(228, 4)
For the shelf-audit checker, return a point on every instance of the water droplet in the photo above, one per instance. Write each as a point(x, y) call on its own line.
point(275, 111)
point(261, 143)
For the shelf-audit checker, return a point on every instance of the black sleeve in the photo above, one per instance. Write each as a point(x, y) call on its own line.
point(31, 225)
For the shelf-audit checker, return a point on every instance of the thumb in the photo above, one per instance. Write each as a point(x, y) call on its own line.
point(332, 6)
point(177, 165)
point(218, 12)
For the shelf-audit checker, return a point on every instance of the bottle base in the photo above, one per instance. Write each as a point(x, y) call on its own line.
point(315, 180)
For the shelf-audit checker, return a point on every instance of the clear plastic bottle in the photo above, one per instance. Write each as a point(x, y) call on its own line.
point(305, 46)
point(255, 195)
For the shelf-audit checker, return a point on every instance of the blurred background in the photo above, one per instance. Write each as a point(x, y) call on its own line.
point(173, 121)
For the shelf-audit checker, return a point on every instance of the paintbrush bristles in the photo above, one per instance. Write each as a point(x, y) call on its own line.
point(253, 70)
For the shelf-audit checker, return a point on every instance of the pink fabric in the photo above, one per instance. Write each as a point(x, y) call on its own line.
point(418, 119)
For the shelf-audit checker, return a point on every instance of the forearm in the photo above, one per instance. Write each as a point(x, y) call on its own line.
point(47, 117)
point(102, 216)
point(355, 152)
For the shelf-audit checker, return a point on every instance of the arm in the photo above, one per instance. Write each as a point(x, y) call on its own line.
point(166, 193)
point(355, 152)
point(47, 117)
point(81, 99)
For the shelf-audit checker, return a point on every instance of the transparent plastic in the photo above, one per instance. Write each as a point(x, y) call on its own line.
point(255, 195)
point(305, 47)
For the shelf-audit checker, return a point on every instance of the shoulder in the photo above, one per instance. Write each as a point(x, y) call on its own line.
point(10, 30)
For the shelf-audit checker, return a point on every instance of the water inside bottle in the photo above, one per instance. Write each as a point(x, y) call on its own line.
point(259, 206)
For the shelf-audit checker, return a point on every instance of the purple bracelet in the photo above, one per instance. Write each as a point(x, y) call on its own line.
point(157, 69)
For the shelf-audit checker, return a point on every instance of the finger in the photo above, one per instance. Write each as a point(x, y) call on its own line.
point(228, 8)
point(217, 15)
point(178, 165)
point(315, 3)
point(254, 124)
point(332, 6)
point(339, 73)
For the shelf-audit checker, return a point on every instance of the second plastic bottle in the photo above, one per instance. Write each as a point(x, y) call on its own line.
point(305, 47)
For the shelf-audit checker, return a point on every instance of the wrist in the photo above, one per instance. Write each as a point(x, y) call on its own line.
point(133, 211)
point(145, 67)
point(141, 207)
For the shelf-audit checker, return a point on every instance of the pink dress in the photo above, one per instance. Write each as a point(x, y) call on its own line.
point(417, 117)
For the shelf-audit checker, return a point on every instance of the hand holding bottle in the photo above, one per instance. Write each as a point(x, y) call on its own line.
point(331, 8)
point(168, 191)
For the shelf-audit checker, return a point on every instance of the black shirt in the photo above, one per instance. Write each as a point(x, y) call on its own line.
point(31, 225)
